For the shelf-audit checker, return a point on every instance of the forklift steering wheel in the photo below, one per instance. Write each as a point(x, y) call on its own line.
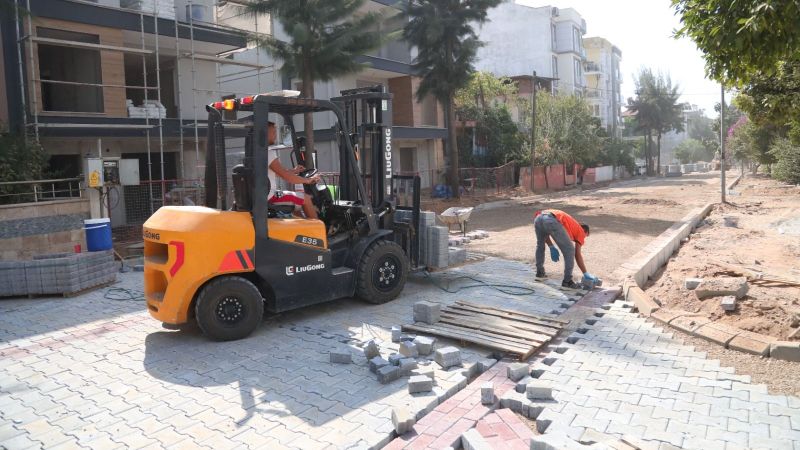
point(308, 173)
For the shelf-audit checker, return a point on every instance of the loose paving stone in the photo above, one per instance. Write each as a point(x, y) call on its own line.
point(394, 359)
point(409, 349)
point(485, 364)
point(424, 345)
point(717, 287)
point(397, 332)
point(487, 393)
point(539, 390)
point(387, 374)
point(419, 383)
point(473, 440)
point(371, 349)
point(377, 363)
point(407, 365)
point(402, 420)
point(427, 312)
point(516, 371)
point(342, 356)
point(426, 371)
point(728, 303)
point(448, 357)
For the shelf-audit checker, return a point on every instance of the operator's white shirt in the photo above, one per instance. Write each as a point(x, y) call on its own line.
point(272, 155)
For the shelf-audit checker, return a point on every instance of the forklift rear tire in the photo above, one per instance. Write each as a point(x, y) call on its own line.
point(382, 272)
point(229, 308)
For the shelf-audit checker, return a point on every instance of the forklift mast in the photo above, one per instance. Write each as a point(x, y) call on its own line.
point(368, 119)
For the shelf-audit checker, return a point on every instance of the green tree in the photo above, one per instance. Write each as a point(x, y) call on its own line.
point(741, 39)
point(692, 150)
point(20, 160)
point(443, 31)
point(486, 100)
point(324, 37)
point(751, 143)
point(657, 111)
point(645, 109)
point(787, 155)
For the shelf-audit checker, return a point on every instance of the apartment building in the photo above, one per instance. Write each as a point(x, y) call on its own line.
point(418, 127)
point(604, 82)
point(520, 39)
point(118, 78)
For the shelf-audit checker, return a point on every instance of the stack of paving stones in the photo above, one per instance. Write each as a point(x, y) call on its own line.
point(427, 220)
point(61, 273)
point(438, 251)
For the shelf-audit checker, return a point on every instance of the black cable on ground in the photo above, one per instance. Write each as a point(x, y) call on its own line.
point(124, 294)
point(508, 289)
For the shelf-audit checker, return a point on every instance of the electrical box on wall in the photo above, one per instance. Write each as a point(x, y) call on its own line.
point(112, 172)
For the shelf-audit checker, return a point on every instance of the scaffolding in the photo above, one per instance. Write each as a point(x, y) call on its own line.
point(29, 82)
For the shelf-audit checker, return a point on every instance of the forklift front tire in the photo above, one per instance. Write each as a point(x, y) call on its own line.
point(382, 272)
point(229, 308)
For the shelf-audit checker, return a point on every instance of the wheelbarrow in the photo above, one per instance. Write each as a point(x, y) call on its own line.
point(456, 216)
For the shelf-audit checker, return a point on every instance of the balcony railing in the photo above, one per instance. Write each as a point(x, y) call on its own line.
point(13, 192)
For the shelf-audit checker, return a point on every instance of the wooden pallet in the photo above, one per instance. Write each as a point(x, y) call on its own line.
point(506, 330)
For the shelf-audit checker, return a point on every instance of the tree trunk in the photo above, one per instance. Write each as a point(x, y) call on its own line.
point(308, 118)
point(658, 166)
point(648, 160)
point(452, 147)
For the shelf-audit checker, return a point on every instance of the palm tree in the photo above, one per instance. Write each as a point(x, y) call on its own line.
point(670, 116)
point(444, 34)
point(324, 37)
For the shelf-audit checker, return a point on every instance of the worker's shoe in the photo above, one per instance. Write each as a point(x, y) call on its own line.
point(541, 274)
point(570, 284)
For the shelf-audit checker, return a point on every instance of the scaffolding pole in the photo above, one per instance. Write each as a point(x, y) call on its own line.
point(194, 95)
point(178, 88)
point(21, 72)
point(158, 99)
point(146, 114)
point(33, 99)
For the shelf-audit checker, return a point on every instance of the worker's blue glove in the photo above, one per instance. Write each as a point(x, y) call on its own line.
point(589, 277)
point(554, 253)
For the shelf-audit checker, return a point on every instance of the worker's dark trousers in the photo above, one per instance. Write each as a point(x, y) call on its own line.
point(547, 225)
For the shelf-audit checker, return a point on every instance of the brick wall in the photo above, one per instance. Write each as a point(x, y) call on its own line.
point(46, 227)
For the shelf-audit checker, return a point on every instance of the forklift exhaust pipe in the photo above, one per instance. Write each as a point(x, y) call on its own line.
point(216, 183)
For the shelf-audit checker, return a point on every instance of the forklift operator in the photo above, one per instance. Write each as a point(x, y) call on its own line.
point(277, 197)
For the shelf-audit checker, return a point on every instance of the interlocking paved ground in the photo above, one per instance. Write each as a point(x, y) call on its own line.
point(99, 373)
point(625, 376)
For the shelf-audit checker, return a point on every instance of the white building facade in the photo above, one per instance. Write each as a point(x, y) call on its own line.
point(604, 82)
point(520, 39)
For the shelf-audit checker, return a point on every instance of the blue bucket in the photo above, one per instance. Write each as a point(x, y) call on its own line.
point(98, 234)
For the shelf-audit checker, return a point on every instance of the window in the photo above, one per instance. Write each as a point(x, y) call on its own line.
point(578, 72)
point(69, 65)
point(596, 111)
point(553, 35)
point(555, 67)
point(576, 40)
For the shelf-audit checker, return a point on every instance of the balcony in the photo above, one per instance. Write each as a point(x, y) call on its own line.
point(591, 68)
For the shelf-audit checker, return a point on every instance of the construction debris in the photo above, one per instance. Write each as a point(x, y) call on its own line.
point(371, 349)
point(717, 287)
point(692, 283)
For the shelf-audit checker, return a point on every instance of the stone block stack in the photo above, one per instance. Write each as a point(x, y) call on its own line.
point(438, 250)
point(61, 273)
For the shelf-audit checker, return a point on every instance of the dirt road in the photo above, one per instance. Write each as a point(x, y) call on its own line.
point(623, 218)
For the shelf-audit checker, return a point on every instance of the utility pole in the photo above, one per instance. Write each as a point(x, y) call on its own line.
point(533, 128)
point(722, 141)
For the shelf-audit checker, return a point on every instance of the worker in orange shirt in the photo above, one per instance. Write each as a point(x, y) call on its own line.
point(555, 225)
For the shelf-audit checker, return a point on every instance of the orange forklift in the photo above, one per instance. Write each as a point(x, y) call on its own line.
point(223, 267)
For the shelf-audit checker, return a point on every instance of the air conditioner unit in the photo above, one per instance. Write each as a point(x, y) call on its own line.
point(555, 12)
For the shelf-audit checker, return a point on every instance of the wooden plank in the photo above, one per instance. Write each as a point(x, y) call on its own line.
point(512, 311)
point(520, 336)
point(466, 337)
point(521, 343)
point(521, 324)
point(507, 325)
point(505, 316)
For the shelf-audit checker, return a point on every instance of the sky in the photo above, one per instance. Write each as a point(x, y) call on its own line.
point(643, 29)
